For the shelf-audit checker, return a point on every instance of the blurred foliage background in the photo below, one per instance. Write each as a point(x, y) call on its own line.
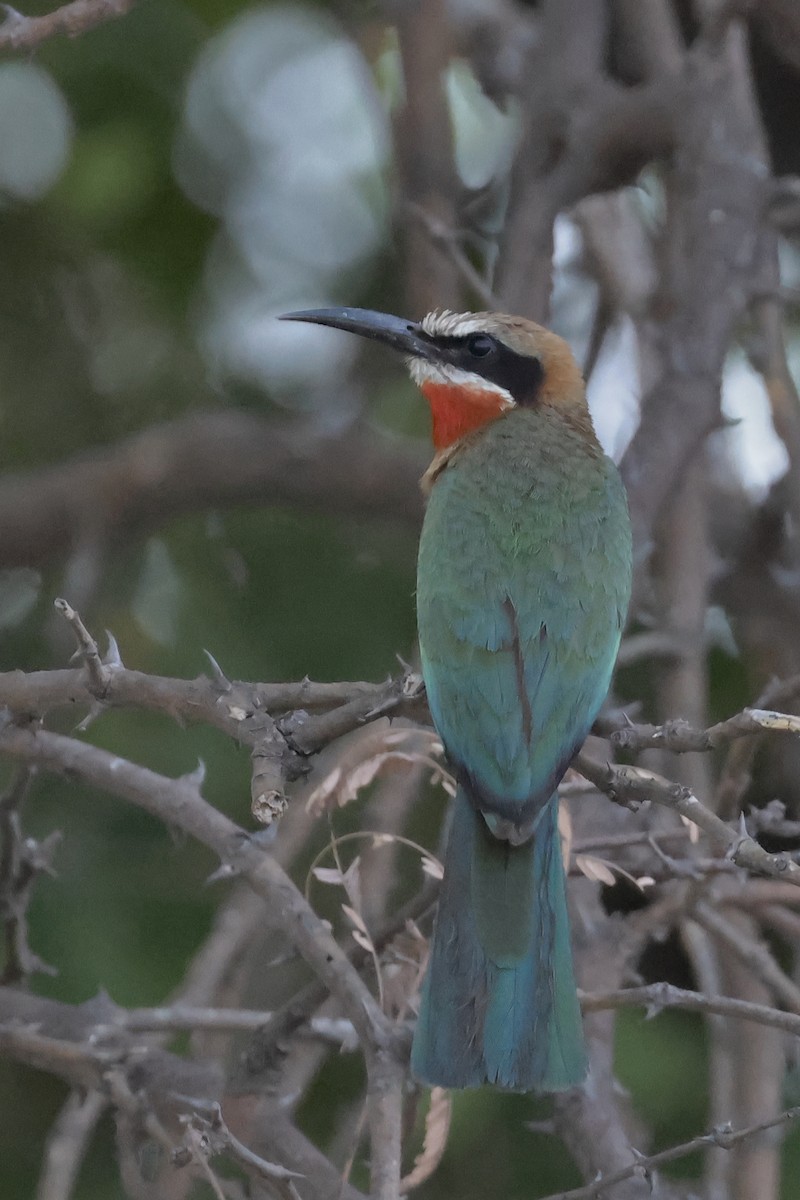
point(169, 182)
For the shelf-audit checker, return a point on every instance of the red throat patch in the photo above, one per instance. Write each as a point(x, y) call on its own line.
point(456, 411)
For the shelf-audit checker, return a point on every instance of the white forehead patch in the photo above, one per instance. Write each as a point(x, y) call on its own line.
point(428, 372)
point(451, 324)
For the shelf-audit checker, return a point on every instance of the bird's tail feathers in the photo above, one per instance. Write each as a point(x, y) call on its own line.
point(499, 1003)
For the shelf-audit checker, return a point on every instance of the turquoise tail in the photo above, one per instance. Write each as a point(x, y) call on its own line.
point(499, 1003)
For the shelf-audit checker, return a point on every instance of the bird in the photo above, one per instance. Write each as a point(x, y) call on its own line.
point(523, 584)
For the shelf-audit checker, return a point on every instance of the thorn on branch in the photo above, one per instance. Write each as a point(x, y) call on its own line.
point(96, 709)
point(226, 870)
point(112, 657)
point(14, 20)
point(197, 777)
point(217, 673)
point(99, 673)
point(682, 738)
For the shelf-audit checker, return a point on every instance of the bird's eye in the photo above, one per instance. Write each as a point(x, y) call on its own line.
point(480, 344)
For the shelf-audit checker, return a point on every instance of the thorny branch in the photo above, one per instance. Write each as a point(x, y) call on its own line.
point(244, 712)
point(643, 1166)
point(632, 785)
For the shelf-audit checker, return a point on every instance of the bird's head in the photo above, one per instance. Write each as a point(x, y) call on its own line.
point(473, 367)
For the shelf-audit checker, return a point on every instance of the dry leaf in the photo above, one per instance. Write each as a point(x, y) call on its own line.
point(694, 830)
point(605, 872)
point(595, 868)
point(328, 875)
point(382, 751)
point(324, 790)
point(431, 866)
point(355, 918)
point(437, 1127)
point(403, 963)
point(352, 883)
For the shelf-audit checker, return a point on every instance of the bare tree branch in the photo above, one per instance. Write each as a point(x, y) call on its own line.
point(711, 269)
point(205, 460)
point(26, 33)
point(67, 1144)
point(643, 1167)
point(633, 784)
point(179, 803)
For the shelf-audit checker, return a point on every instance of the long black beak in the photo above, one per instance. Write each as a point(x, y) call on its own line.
point(406, 336)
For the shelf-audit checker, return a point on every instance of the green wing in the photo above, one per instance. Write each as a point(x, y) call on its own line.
point(521, 598)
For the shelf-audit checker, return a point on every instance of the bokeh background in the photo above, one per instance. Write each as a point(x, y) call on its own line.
point(169, 182)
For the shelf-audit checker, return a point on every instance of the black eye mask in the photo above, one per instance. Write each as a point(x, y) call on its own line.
point(481, 354)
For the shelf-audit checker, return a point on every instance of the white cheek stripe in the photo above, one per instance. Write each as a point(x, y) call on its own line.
point(428, 372)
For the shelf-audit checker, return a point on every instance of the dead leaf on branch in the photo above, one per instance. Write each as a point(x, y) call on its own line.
point(595, 869)
point(379, 752)
point(431, 866)
point(328, 875)
point(437, 1128)
point(357, 921)
point(599, 870)
point(403, 963)
point(350, 879)
point(694, 830)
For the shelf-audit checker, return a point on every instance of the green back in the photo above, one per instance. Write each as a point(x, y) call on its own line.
point(523, 583)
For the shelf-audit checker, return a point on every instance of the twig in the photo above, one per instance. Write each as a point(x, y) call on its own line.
point(99, 673)
point(176, 1017)
point(22, 860)
point(26, 33)
point(734, 777)
point(626, 841)
point(317, 712)
point(300, 1008)
point(447, 239)
point(760, 892)
point(657, 996)
point(723, 1039)
point(207, 1136)
point(632, 785)
point(67, 1144)
point(681, 738)
point(723, 1136)
point(755, 955)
